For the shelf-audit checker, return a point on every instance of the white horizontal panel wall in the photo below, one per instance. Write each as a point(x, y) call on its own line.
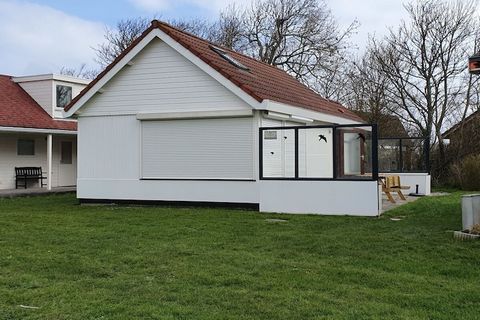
point(162, 80)
point(109, 147)
point(200, 149)
point(169, 190)
point(360, 198)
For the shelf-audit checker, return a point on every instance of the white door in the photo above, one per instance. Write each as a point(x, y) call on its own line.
point(279, 153)
point(67, 167)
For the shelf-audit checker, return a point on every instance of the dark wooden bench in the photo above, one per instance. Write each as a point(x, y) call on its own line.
point(29, 173)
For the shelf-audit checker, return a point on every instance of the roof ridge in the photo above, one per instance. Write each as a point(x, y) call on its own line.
point(213, 43)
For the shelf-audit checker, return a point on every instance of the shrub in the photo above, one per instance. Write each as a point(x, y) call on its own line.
point(466, 173)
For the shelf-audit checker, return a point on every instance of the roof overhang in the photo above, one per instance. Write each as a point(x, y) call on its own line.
point(36, 130)
point(51, 76)
point(297, 112)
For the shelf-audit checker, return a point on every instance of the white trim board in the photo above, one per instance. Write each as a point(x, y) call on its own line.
point(35, 130)
point(195, 115)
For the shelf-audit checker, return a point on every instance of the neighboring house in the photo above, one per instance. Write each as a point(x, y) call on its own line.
point(388, 125)
point(464, 137)
point(33, 132)
point(176, 119)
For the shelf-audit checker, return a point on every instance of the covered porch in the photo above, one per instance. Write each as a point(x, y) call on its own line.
point(54, 151)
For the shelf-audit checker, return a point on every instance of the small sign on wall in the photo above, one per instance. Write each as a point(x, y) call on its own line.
point(270, 135)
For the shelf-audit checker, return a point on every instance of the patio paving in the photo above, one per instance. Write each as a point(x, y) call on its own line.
point(387, 205)
point(11, 193)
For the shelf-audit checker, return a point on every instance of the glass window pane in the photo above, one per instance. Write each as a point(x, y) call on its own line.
point(64, 96)
point(354, 152)
point(315, 153)
point(25, 147)
point(389, 155)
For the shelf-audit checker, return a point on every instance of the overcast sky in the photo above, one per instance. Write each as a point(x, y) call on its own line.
point(43, 36)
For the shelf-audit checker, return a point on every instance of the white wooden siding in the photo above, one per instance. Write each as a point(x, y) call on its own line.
point(41, 92)
point(159, 80)
point(199, 149)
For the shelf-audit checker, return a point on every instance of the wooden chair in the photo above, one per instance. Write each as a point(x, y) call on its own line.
point(393, 184)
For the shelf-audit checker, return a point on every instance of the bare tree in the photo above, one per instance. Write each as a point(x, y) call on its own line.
point(229, 30)
point(424, 60)
point(80, 72)
point(299, 36)
point(119, 38)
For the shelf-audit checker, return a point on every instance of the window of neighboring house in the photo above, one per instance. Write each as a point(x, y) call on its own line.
point(64, 96)
point(66, 152)
point(25, 147)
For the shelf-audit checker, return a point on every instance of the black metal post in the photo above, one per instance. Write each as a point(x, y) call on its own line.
point(400, 165)
point(334, 153)
point(260, 153)
point(374, 152)
point(296, 153)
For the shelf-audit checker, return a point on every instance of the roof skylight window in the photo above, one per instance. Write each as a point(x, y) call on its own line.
point(226, 56)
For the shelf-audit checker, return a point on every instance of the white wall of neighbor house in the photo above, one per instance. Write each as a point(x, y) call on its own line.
point(63, 174)
point(41, 91)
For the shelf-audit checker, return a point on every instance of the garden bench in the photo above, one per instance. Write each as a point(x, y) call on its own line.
point(29, 173)
point(392, 184)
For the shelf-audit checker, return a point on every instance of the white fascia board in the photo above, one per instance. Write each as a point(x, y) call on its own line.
point(35, 130)
point(286, 117)
point(51, 76)
point(181, 50)
point(208, 69)
point(274, 106)
point(195, 115)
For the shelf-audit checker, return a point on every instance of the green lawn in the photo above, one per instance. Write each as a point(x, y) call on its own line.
point(88, 262)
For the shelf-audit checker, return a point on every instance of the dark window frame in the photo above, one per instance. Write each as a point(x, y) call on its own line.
point(335, 177)
point(20, 150)
point(58, 95)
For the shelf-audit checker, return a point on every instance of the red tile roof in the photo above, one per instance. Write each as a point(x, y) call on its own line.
point(262, 81)
point(18, 109)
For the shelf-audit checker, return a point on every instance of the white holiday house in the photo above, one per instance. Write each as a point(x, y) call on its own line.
point(177, 119)
point(33, 132)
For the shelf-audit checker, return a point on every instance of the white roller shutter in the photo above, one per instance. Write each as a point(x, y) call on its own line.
point(198, 149)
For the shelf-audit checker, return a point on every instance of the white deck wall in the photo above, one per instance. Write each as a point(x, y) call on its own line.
point(412, 179)
point(320, 197)
point(63, 174)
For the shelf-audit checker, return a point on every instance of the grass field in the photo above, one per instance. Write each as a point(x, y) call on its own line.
point(88, 262)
